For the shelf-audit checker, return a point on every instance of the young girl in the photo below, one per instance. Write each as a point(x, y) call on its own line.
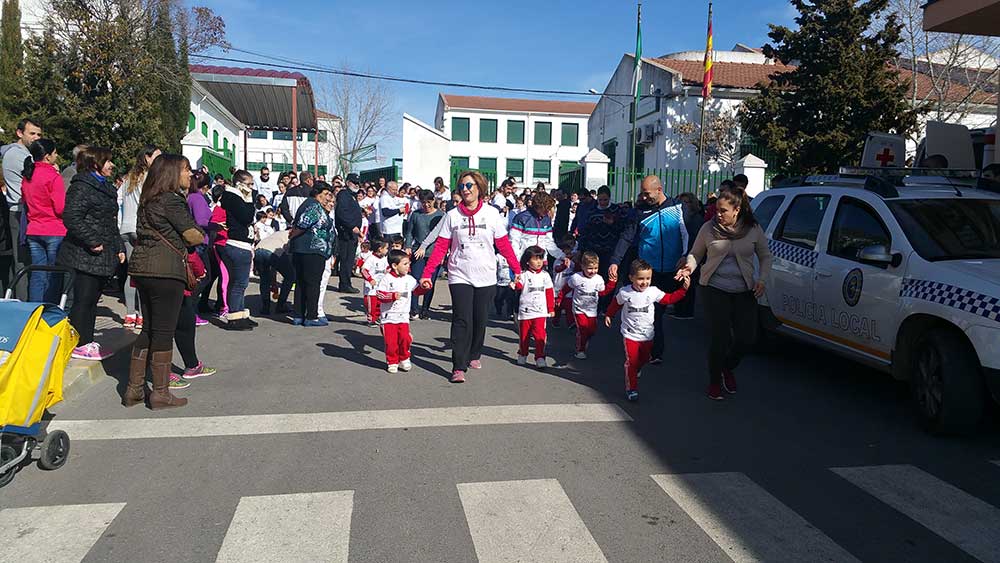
point(637, 303)
point(184, 335)
point(372, 271)
point(394, 292)
point(564, 303)
point(366, 251)
point(587, 287)
point(536, 304)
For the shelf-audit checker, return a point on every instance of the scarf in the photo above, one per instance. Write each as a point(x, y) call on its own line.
point(471, 214)
point(245, 194)
point(737, 231)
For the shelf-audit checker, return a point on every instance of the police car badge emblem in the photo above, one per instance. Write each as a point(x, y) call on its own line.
point(852, 287)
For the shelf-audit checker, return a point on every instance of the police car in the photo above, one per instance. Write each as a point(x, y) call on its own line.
point(898, 271)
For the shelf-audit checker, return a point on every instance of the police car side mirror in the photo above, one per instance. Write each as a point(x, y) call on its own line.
point(877, 255)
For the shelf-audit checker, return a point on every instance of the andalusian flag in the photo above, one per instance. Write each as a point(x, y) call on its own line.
point(706, 88)
point(637, 73)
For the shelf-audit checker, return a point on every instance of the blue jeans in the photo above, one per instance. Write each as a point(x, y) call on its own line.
point(417, 271)
point(237, 262)
point(44, 286)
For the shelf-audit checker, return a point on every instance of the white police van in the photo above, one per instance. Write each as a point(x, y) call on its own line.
point(899, 273)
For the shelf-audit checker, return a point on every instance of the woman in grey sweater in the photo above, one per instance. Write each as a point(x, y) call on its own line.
point(422, 223)
point(128, 199)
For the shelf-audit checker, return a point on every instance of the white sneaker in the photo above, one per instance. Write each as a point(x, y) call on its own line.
point(405, 365)
point(540, 363)
point(522, 360)
point(393, 368)
point(581, 355)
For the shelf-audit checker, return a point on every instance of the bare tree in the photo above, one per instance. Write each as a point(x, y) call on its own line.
point(367, 110)
point(722, 136)
point(959, 72)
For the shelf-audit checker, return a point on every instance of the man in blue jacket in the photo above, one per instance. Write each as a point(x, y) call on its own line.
point(656, 231)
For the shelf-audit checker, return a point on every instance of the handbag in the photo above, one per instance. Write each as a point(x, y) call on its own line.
point(192, 280)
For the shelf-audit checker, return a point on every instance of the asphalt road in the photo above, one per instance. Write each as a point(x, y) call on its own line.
point(302, 448)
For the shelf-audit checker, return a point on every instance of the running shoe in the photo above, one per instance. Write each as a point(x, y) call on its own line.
point(729, 381)
point(405, 365)
point(297, 321)
point(458, 376)
point(91, 352)
point(316, 322)
point(655, 361)
point(198, 321)
point(581, 355)
point(129, 321)
point(200, 370)
point(392, 368)
point(178, 382)
point(475, 364)
point(632, 395)
point(540, 363)
point(138, 322)
point(715, 392)
point(522, 360)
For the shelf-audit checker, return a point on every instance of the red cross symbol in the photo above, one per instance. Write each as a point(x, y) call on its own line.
point(885, 157)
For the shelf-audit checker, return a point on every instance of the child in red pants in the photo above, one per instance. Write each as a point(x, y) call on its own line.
point(564, 303)
point(637, 304)
point(536, 304)
point(372, 271)
point(394, 291)
point(587, 287)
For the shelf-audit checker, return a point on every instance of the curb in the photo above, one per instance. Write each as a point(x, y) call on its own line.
point(81, 375)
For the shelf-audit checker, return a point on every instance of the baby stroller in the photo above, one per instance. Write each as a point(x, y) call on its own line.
point(36, 341)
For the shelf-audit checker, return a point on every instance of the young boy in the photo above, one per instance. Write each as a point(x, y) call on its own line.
point(505, 301)
point(637, 303)
point(365, 252)
point(372, 271)
point(587, 287)
point(564, 303)
point(394, 291)
point(396, 242)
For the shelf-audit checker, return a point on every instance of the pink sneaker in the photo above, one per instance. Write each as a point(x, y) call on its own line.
point(129, 321)
point(138, 322)
point(198, 321)
point(458, 376)
point(475, 364)
point(92, 352)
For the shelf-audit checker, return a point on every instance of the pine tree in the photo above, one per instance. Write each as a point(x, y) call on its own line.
point(11, 61)
point(816, 117)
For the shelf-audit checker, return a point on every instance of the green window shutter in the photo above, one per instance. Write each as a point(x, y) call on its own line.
point(543, 133)
point(282, 136)
point(204, 129)
point(460, 129)
point(515, 168)
point(322, 138)
point(460, 162)
point(215, 139)
point(570, 134)
point(487, 130)
point(192, 122)
point(515, 132)
point(258, 134)
point(542, 170)
point(488, 165)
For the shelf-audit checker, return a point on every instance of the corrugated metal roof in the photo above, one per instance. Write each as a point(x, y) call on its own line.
point(262, 99)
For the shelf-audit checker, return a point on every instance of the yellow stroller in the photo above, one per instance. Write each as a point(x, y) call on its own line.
point(36, 341)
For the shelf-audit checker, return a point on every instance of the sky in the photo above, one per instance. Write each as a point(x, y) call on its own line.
point(541, 44)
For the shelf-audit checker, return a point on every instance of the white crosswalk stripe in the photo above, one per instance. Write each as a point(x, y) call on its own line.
point(526, 521)
point(953, 514)
point(292, 528)
point(746, 521)
point(53, 534)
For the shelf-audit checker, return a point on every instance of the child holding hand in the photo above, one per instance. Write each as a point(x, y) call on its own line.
point(394, 291)
point(563, 271)
point(588, 287)
point(536, 304)
point(637, 303)
point(372, 271)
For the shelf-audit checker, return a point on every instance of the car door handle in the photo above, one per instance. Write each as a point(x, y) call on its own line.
point(823, 274)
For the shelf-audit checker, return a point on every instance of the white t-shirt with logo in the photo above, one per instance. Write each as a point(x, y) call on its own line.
point(638, 310)
point(392, 225)
point(376, 267)
point(533, 303)
point(585, 293)
point(472, 260)
point(398, 311)
point(563, 276)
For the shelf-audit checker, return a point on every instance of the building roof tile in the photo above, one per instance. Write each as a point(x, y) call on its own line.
point(453, 101)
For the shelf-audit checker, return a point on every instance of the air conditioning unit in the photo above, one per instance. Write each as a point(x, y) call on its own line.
point(647, 133)
point(640, 137)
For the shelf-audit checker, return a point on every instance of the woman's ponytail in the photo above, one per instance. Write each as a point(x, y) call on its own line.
point(39, 150)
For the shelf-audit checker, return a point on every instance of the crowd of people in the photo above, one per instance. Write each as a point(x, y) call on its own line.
point(173, 235)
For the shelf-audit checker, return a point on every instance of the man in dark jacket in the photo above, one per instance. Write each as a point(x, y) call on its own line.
point(348, 217)
point(294, 197)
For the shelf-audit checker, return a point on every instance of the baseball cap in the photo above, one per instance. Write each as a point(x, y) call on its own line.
point(353, 178)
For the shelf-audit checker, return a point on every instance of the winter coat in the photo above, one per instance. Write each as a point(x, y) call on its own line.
point(168, 215)
point(91, 219)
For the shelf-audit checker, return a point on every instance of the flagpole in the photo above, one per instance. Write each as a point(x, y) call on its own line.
point(635, 95)
point(704, 104)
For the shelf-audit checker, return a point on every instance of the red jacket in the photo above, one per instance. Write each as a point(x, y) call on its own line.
point(45, 195)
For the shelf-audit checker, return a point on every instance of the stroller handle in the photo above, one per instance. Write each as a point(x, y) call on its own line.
point(67, 272)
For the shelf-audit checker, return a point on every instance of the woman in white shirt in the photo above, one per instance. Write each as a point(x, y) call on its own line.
point(470, 231)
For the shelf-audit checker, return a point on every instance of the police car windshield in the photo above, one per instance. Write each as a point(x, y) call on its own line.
point(950, 229)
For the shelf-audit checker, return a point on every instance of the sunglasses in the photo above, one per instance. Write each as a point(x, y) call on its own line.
point(466, 186)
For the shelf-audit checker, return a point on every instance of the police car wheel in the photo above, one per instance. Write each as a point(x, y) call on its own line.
point(945, 381)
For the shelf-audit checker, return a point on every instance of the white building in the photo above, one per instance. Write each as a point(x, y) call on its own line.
point(273, 148)
point(531, 140)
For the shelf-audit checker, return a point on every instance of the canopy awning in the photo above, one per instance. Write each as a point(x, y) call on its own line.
point(261, 99)
point(971, 17)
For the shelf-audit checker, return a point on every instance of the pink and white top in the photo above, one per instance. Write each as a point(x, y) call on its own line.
point(470, 236)
point(537, 298)
point(639, 309)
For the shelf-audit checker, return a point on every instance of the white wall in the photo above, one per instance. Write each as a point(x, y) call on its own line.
point(425, 153)
point(207, 110)
point(274, 151)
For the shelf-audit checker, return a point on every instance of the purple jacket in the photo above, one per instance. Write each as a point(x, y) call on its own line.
point(200, 210)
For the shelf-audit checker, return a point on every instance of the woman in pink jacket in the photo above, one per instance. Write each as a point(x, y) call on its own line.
point(45, 195)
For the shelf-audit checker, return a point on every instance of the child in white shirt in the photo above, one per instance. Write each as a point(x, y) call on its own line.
point(394, 291)
point(262, 228)
point(537, 303)
point(564, 302)
point(365, 250)
point(372, 271)
point(506, 301)
point(637, 303)
point(588, 287)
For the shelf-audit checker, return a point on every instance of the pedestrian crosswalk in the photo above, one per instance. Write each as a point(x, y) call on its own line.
point(536, 520)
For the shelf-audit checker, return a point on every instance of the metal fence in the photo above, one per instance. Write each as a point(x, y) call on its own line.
point(218, 163)
point(456, 171)
point(624, 183)
point(390, 173)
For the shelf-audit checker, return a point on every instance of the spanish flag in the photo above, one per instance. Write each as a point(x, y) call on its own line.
point(706, 88)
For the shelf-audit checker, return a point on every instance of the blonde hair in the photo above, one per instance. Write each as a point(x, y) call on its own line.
point(477, 177)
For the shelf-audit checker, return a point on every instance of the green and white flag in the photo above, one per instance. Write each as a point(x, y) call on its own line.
point(637, 73)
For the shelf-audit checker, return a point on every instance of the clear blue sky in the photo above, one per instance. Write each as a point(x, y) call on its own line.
point(565, 45)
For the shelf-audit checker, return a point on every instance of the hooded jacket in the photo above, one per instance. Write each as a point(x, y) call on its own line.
point(91, 219)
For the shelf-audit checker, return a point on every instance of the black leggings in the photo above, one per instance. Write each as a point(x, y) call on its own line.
point(469, 315)
point(83, 314)
point(732, 328)
point(308, 276)
point(184, 335)
point(160, 299)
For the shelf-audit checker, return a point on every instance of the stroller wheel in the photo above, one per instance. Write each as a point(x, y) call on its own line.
point(7, 454)
point(55, 450)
